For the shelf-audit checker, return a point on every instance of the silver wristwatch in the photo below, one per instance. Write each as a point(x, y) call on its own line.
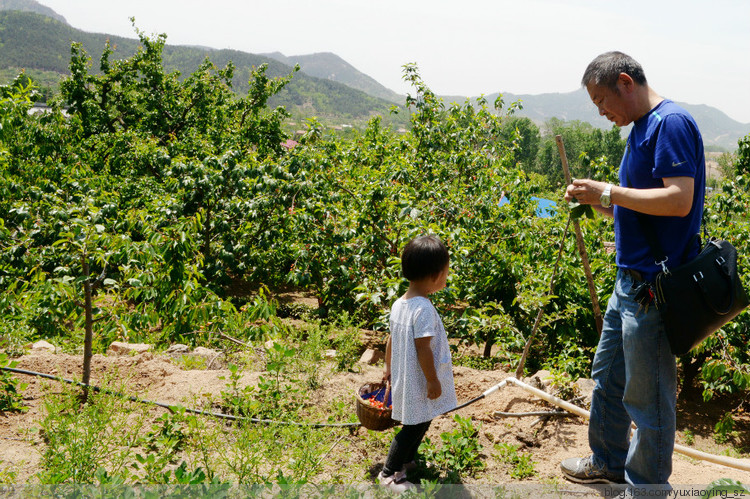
point(606, 199)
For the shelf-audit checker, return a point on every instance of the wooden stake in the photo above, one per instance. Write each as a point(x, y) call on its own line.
point(550, 292)
point(581, 245)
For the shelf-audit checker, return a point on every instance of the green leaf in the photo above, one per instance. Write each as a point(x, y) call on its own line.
point(578, 210)
point(720, 487)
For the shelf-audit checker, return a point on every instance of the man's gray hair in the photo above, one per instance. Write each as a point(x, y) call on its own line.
point(606, 68)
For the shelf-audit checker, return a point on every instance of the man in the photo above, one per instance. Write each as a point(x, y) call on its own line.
point(662, 184)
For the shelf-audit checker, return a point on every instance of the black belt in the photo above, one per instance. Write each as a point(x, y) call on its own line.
point(637, 276)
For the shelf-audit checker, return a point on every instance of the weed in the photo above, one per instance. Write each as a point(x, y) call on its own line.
point(235, 400)
point(14, 333)
point(733, 452)
point(277, 393)
point(82, 438)
point(573, 359)
point(522, 465)
point(724, 487)
point(563, 385)
point(311, 343)
point(724, 428)
point(476, 362)
point(288, 453)
point(185, 477)
point(7, 475)
point(153, 468)
point(689, 437)
point(273, 397)
point(296, 311)
point(163, 442)
point(168, 437)
point(192, 362)
point(11, 398)
point(460, 452)
point(347, 342)
point(348, 348)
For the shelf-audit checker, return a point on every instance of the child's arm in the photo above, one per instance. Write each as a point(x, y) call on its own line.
point(427, 363)
point(387, 372)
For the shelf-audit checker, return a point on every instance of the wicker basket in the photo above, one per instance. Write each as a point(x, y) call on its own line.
point(371, 417)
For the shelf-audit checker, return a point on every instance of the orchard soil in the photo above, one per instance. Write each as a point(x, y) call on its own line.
point(158, 377)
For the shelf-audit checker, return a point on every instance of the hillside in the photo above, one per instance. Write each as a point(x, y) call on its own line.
point(30, 6)
point(717, 128)
point(327, 86)
point(40, 43)
point(332, 67)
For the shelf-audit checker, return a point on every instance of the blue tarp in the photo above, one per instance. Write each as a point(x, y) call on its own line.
point(546, 208)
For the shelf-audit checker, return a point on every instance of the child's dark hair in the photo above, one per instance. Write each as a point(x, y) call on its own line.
point(424, 256)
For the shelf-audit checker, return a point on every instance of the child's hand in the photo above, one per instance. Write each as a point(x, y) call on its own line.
point(434, 390)
point(386, 375)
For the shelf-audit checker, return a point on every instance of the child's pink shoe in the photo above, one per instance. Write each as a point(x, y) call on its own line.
point(395, 483)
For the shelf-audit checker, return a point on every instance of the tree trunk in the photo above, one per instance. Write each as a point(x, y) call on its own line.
point(488, 349)
point(89, 320)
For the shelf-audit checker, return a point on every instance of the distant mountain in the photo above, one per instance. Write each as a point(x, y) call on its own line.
point(718, 129)
point(327, 86)
point(332, 67)
point(31, 6)
point(39, 43)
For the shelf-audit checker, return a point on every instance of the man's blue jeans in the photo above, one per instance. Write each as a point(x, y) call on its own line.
point(636, 380)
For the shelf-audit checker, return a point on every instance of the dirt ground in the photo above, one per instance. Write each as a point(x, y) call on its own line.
point(160, 378)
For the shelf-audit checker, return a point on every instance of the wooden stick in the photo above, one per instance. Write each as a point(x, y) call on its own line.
point(540, 312)
point(498, 414)
point(233, 340)
point(581, 245)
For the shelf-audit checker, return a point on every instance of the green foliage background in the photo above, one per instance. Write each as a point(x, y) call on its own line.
point(177, 192)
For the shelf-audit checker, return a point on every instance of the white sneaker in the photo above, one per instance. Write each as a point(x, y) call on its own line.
point(395, 483)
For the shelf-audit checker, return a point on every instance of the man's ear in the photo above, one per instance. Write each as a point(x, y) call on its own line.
point(625, 82)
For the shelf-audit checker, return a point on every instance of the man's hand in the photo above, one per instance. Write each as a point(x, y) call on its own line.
point(585, 191)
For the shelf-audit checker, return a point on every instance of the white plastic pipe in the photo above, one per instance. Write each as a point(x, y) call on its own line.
point(740, 464)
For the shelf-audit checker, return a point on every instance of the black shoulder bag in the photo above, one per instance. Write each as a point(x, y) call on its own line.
point(698, 297)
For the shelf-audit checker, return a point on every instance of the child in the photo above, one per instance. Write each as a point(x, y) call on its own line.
point(417, 358)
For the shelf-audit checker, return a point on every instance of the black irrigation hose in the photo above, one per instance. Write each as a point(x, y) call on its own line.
point(466, 403)
point(172, 408)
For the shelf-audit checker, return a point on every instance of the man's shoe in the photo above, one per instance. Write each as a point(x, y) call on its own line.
point(397, 482)
point(583, 470)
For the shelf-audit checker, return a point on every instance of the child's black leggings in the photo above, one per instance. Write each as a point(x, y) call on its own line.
point(404, 447)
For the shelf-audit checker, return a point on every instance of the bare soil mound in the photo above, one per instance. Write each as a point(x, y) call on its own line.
point(549, 441)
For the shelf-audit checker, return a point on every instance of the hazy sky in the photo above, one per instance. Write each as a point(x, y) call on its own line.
point(693, 51)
